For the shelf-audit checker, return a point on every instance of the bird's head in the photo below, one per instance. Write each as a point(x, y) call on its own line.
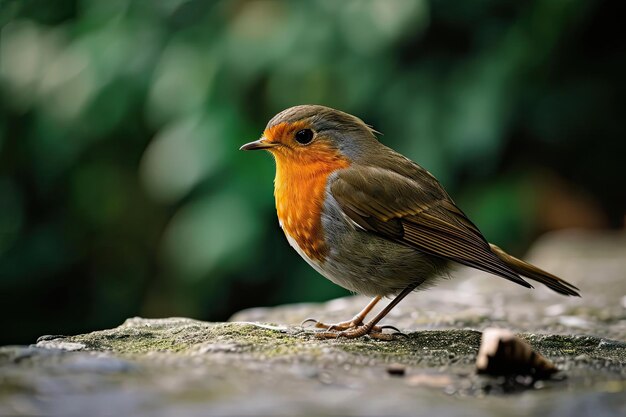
point(312, 134)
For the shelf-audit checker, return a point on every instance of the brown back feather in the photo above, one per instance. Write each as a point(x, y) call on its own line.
point(406, 204)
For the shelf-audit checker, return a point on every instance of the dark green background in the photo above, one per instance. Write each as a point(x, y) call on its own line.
point(122, 191)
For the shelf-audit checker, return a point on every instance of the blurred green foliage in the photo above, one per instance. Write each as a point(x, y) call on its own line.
point(121, 189)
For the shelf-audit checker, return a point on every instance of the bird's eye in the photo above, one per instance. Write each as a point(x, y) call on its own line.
point(304, 136)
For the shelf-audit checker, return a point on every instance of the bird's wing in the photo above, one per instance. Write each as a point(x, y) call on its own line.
point(406, 204)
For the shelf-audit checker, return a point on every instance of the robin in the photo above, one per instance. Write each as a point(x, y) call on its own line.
point(371, 220)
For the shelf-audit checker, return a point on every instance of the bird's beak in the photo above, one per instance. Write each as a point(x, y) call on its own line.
point(258, 144)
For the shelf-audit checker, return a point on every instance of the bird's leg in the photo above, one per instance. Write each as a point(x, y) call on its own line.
point(370, 328)
point(350, 324)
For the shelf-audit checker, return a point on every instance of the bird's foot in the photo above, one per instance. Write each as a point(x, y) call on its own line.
point(353, 329)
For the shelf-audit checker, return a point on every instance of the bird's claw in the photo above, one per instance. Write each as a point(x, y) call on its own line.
point(374, 332)
point(344, 325)
point(307, 321)
point(396, 331)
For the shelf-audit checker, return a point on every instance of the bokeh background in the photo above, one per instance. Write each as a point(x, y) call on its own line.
point(122, 192)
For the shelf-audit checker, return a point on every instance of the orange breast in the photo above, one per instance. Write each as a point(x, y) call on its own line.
point(300, 188)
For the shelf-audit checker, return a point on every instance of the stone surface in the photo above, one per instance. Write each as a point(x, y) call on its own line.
point(263, 363)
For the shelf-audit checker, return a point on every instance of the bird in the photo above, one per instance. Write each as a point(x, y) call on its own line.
point(371, 220)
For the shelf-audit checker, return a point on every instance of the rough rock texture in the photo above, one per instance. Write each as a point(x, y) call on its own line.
point(263, 363)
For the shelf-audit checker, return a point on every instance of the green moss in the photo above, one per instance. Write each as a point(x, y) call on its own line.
point(438, 348)
point(426, 348)
point(138, 343)
point(577, 345)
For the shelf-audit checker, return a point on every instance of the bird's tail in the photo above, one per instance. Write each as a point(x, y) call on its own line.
point(532, 272)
